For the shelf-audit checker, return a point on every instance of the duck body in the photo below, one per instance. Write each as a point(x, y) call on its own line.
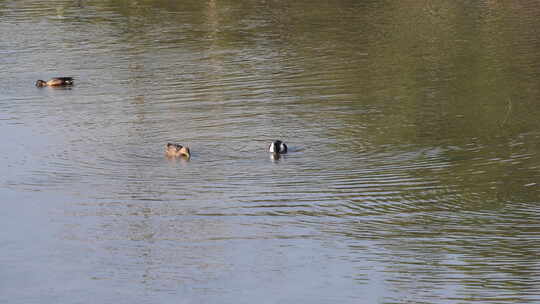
point(277, 147)
point(176, 150)
point(55, 82)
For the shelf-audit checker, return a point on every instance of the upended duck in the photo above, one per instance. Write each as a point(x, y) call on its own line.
point(176, 150)
point(277, 147)
point(55, 82)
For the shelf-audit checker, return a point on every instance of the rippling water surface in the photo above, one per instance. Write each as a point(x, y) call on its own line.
point(413, 175)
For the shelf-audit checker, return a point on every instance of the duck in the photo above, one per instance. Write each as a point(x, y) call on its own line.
point(55, 82)
point(277, 147)
point(176, 150)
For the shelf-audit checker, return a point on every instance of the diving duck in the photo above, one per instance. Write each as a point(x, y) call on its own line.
point(55, 82)
point(175, 150)
point(277, 147)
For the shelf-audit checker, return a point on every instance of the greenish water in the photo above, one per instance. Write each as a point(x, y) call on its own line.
point(413, 175)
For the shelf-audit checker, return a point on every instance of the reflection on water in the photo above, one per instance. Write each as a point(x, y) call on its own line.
point(412, 176)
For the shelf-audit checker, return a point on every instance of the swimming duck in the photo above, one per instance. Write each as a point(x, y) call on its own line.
point(175, 150)
point(55, 82)
point(277, 147)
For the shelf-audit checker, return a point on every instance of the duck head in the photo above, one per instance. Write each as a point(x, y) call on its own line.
point(41, 83)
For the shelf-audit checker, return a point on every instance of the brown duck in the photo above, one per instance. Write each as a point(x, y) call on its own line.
point(55, 82)
point(176, 150)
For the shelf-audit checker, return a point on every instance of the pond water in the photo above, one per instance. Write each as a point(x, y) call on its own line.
point(413, 175)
